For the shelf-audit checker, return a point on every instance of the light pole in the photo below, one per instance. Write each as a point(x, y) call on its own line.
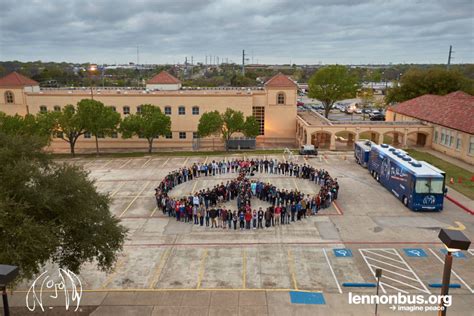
point(454, 240)
point(378, 275)
point(7, 274)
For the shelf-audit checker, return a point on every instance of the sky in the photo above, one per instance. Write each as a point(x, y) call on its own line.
point(271, 31)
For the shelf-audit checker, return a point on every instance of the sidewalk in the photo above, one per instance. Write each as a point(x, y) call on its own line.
point(214, 302)
point(447, 158)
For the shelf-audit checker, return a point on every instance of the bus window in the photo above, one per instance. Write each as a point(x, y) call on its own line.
point(434, 186)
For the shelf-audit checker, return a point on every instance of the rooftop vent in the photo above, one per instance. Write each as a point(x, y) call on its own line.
point(415, 163)
point(406, 158)
point(385, 146)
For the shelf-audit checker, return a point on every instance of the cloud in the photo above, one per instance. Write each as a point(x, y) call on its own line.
point(273, 31)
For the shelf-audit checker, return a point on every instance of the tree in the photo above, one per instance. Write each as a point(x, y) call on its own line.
point(150, 124)
point(29, 125)
point(226, 124)
point(331, 84)
point(417, 82)
point(51, 212)
point(98, 119)
point(366, 97)
point(68, 125)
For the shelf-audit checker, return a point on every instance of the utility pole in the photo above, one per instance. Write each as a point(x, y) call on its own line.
point(138, 57)
point(243, 62)
point(192, 60)
point(449, 56)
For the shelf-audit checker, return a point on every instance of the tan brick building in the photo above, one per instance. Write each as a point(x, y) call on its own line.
point(274, 106)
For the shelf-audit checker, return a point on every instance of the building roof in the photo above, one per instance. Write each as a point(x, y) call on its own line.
point(14, 79)
point(280, 80)
point(163, 78)
point(454, 110)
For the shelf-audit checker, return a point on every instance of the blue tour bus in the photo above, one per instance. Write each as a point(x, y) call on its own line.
point(418, 185)
point(362, 151)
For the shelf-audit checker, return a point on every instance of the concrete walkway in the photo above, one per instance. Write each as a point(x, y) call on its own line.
point(447, 158)
point(214, 302)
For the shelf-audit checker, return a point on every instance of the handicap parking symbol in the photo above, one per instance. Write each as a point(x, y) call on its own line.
point(457, 254)
point(415, 252)
point(342, 252)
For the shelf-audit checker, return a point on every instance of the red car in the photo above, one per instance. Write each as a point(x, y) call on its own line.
point(299, 103)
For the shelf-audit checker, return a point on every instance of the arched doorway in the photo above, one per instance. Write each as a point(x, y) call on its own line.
point(417, 139)
point(345, 140)
point(393, 138)
point(321, 139)
point(369, 135)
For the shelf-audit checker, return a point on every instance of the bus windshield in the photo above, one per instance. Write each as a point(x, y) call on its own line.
point(434, 186)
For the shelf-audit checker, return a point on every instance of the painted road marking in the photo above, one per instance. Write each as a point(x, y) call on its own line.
point(107, 163)
point(393, 264)
point(338, 210)
point(459, 226)
point(415, 252)
point(184, 163)
point(118, 189)
point(452, 271)
point(126, 163)
point(291, 267)
point(205, 161)
point(135, 198)
point(471, 251)
point(154, 210)
point(120, 263)
point(342, 252)
point(201, 269)
point(164, 163)
point(194, 186)
point(159, 268)
point(146, 162)
point(296, 185)
point(457, 254)
point(332, 270)
point(244, 269)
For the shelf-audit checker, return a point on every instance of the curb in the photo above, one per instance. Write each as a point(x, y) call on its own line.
point(465, 208)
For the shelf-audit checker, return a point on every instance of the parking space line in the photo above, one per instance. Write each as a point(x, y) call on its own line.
point(135, 198)
point(107, 163)
point(471, 251)
point(452, 271)
point(396, 288)
point(120, 263)
point(194, 186)
point(332, 271)
point(205, 161)
point(126, 163)
point(292, 269)
point(384, 266)
point(337, 208)
point(146, 162)
point(164, 163)
point(159, 269)
point(154, 210)
point(201, 269)
point(118, 189)
point(296, 185)
point(184, 163)
point(244, 269)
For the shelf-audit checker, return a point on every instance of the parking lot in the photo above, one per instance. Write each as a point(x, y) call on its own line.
point(367, 229)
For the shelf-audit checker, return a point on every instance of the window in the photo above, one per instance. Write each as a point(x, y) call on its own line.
point(43, 109)
point(436, 137)
point(195, 135)
point(139, 109)
point(451, 140)
point(169, 136)
point(281, 98)
point(443, 136)
point(141, 136)
point(429, 186)
point(471, 145)
point(182, 135)
point(87, 135)
point(9, 97)
point(181, 110)
point(114, 135)
point(168, 110)
point(100, 135)
point(113, 108)
point(57, 108)
point(195, 110)
point(126, 110)
point(458, 142)
point(58, 135)
point(259, 113)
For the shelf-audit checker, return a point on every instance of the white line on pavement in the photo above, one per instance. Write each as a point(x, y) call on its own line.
point(371, 270)
point(377, 254)
point(135, 198)
point(452, 271)
point(332, 271)
point(146, 162)
point(164, 163)
point(107, 163)
point(387, 263)
point(184, 163)
point(126, 163)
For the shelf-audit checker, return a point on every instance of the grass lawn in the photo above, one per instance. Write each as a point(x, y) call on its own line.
point(176, 153)
point(452, 171)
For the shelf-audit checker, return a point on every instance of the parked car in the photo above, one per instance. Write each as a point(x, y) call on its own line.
point(366, 111)
point(377, 117)
point(358, 111)
point(308, 150)
point(375, 112)
point(299, 103)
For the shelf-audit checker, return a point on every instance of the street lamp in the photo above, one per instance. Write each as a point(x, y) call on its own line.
point(378, 275)
point(7, 275)
point(454, 240)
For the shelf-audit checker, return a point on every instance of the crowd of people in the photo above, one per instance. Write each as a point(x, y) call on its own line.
point(206, 207)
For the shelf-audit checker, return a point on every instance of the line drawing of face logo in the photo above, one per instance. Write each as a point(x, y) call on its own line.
point(385, 168)
point(429, 199)
point(68, 283)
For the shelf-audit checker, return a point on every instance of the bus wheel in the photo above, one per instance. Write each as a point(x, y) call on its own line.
point(377, 177)
point(405, 201)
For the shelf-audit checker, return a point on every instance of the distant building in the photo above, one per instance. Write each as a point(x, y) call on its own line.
point(452, 118)
point(163, 81)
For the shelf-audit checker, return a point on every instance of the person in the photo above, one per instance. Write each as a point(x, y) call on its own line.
point(229, 218)
point(242, 219)
point(202, 213)
point(248, 219)
point(234, 219)
point(195, 214)
point(277, 215)
point(268, 217)
point(213, 215)
point(254, 219)
point(293, 211)
point(224, 218)
point(260, 218)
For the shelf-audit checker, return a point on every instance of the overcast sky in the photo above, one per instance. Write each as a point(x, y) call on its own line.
point(272, 31)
